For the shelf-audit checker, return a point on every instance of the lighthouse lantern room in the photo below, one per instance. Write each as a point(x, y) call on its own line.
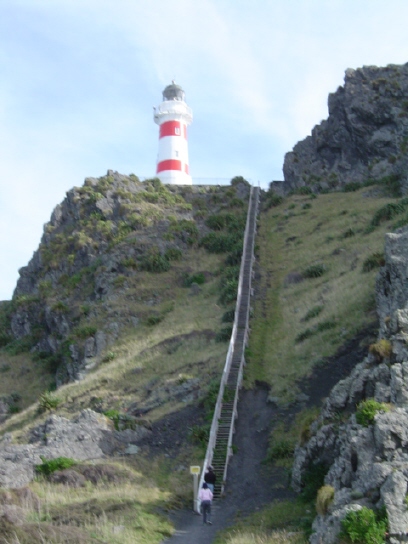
point(173, 117)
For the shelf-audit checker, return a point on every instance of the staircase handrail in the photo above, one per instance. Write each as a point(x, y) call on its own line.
point(228, 360)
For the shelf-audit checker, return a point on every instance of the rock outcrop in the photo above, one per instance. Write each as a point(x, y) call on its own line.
point(79, 292)
point(367, 465)
point(89, 436)
point(365, 136)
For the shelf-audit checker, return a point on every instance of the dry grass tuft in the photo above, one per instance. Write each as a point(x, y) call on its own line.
point(325, 497)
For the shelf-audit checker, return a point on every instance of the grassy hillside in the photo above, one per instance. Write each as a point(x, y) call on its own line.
point(317, 259)
point(175, 323)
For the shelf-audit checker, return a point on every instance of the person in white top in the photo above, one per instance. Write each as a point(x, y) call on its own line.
point(205, 495)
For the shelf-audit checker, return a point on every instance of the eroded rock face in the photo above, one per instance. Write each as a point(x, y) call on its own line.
point(363, 137)
point(368, 466)
point(71, 302)
point(89, 436)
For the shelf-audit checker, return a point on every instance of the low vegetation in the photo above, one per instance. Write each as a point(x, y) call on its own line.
point(174, 337)
point(314, 294)
point(364, 527)
point(318, 256)
point(282, 522)
point(367, 409)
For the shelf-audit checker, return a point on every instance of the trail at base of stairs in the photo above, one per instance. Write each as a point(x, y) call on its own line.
point(251, 484)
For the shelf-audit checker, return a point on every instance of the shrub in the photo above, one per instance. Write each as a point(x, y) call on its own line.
point(349, 233)
point(389, 211)
point(351, 187)
point(198, 278)
point(185, 229)
point(325, 497)
point(326, 325)
point(129, 262)
point(312, 481)
point(314, 271)
point(15, 397)
point(48, 401)
point(223, 335)
point(272, 200)
point(200, 434)
point(85, 332)
point(121, 421)
point(108, 357)
point(313, 312)
point(363, 527)
point(367, 409)
point(112, 414)
point(236, 203)
point(234, 257)
point(281, 449)
point(119, 281)
point(304, 190)
point(218, 242)
point(228, 316)
point(49, 466)
point(4, 339)
point(375, 260)
point(381, 349)
point(215, 222)
point(239, 179)
point(400, 223)
point(173, 254)
point(155, 262)
point(392, 185)
point(304, 335)
point(229, 291)
point(154, 320)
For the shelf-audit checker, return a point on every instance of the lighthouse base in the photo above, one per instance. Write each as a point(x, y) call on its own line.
point(170, 177)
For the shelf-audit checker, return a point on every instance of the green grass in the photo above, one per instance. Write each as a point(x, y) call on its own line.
point(131, 501)
point(333, 302)
point(282, 349)
point(282, 522)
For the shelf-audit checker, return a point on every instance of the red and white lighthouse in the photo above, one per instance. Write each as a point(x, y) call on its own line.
point(173, 117)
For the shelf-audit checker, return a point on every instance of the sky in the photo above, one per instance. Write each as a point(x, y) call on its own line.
point(79, 79)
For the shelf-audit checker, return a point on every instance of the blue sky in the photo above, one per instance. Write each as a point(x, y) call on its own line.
point(79, 79)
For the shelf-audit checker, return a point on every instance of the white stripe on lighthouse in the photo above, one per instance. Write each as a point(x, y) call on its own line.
point(173, 116)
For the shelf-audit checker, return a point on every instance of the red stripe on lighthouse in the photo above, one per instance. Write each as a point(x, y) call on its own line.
point(170, 128)
point(170, 164)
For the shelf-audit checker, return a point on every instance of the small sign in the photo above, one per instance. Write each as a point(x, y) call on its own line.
point(195, 470)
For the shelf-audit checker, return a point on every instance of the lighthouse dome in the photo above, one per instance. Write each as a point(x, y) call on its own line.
point(173, 92)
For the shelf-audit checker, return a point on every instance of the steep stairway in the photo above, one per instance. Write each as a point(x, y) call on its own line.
point(220, 447)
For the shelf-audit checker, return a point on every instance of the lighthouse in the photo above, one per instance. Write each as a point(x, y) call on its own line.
point(173, 117)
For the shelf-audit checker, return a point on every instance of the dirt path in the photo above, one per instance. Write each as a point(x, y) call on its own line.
point(250, 483)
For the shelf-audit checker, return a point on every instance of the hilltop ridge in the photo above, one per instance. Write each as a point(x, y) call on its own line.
point(365, 136)
point(88, 282)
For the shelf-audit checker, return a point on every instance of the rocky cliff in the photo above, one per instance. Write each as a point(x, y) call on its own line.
point(365, 459)
point(365, 136)
point(86, 284)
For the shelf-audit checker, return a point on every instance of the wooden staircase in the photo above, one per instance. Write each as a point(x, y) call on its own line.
point(220, 448)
